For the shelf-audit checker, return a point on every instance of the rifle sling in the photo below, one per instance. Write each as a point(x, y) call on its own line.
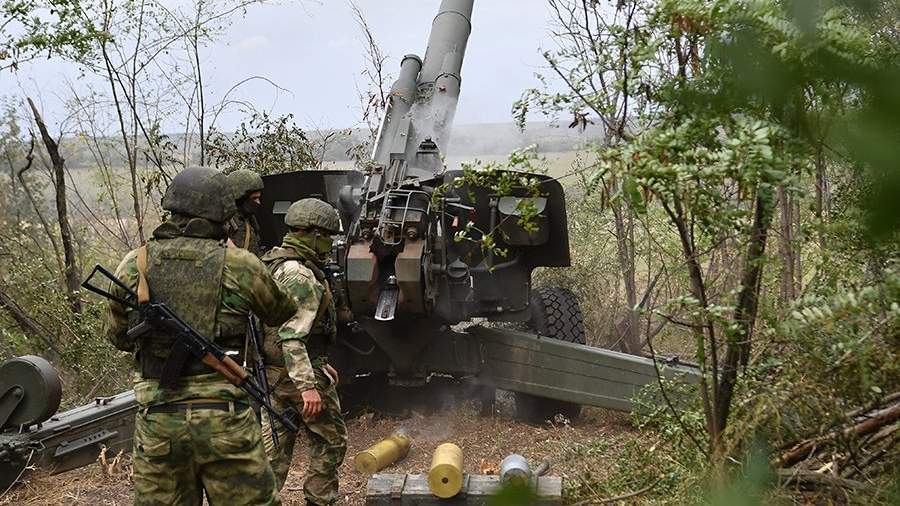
point(143, 289)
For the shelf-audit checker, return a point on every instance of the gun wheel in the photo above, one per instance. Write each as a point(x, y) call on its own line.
point(555, 313)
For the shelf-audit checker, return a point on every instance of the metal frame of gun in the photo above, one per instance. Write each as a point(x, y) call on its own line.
point(259, 366)
point(158, 315)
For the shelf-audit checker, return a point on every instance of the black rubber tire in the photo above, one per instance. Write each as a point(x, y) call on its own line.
point(556, 313)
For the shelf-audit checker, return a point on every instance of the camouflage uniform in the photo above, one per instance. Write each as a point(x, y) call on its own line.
point(179, 454)
point(296, 355)
point(243, 227)
point(243, 230)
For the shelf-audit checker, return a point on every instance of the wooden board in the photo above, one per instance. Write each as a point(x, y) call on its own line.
point(412, 489)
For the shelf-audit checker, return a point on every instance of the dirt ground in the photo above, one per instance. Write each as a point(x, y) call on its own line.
point(575, 451)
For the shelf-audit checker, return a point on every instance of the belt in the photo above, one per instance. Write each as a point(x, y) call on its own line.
point(179, 407)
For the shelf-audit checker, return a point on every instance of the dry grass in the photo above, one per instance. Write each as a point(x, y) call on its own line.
point(575, 451)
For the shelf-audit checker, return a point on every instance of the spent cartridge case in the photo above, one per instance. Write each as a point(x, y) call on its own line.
point(515, 471)
point(383, 453)
point(445, 478)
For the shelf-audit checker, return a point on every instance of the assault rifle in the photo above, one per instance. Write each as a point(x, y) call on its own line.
point(156, 315)
point(259, 367)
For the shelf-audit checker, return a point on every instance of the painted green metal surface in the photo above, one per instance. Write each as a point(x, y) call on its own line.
point(70, 439)
point(546, 367)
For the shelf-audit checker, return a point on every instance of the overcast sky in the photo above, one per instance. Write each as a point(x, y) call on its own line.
point(314, 50)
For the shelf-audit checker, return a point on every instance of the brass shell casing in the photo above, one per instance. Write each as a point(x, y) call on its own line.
point(445, 478)
point(383, 453)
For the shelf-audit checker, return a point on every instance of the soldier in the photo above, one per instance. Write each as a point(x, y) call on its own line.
point(202, 434)
point(296, 354)
point(243, 228)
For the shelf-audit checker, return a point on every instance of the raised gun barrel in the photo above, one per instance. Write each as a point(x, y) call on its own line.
point(422, 101)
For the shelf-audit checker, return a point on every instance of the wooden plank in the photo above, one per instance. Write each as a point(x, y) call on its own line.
point(412, 489)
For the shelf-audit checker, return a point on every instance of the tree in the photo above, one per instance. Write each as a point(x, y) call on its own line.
point(72, 275)
point(31, 29)
point(262, 144)
point(723, 98)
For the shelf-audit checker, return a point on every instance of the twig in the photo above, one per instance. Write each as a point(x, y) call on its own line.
point(812, 479)
point(884, 401)
point(19, 477)
point(618, 498)
point(669, 404)
point(803, 449)
point(874, 457)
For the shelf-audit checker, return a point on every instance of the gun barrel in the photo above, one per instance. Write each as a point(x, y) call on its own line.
point(447, 43)
point(401, 98)
point(423, 99)
point(441, 69)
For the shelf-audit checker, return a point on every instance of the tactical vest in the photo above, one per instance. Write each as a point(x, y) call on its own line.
point(185, 273)
point(323, 330)
point(244, 233)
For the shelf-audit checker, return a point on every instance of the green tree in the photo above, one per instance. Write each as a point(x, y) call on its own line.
point(263, 144)
point(716, 111)
point(32, 29)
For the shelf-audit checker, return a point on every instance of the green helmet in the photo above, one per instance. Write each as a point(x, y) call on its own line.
point(200, 192)
point(244, 181)
point(307, 213)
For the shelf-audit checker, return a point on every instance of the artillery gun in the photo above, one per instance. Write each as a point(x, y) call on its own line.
point(406, 278)
point(33, 435)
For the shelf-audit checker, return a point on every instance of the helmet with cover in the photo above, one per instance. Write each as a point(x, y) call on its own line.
point(306, 213)
point(200, 192)
point(243, 182)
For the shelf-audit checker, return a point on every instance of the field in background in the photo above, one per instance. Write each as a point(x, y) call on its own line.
point(558, 164)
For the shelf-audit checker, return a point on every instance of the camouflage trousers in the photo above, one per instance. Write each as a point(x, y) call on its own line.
point(326, 434)
point(178, 455)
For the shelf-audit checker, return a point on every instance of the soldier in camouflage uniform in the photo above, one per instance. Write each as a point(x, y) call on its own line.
point(201, 434)
point(296, 353)
point(243, 227)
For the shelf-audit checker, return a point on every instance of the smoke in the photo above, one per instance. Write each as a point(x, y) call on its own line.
point(434, 119)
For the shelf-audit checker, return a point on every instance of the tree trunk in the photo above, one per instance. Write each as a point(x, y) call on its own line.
point(135, 194)
point(798, 243)
point(27, 324)
point(37, 210)
point(629, 332)
point(702, 329)
point(130, 149)
point(72, 276)
point(737, 351)
point(821, 183)
point(787, 247)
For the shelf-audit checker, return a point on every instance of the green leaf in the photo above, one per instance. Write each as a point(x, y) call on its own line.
point(633, 194)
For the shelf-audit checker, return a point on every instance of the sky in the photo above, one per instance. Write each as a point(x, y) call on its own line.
point(314, 51)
